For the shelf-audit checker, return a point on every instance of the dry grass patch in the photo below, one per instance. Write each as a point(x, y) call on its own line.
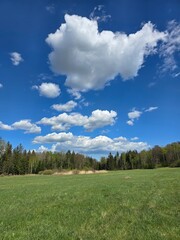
point(72, 172)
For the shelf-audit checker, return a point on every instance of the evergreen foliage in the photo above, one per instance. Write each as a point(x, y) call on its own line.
point(18, 161)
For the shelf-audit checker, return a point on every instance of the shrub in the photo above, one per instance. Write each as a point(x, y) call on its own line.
point(46, 172)
point(175, 164)
point(75, 171)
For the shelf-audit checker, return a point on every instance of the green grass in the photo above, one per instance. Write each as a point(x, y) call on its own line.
point(136, 204)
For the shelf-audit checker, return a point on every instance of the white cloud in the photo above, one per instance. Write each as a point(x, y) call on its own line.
point(86, 104)
point(42, 149)
point(49, 90)
point(99, 119)
point(53, 137)
point(74, 93)
point(130, 122)
point(35, 87)
point(150, 109)
point(44, 76)
point(67, 107)
point(27, 126)
point(16, 58)
point(84, 144)
point(1, 86)
point(91, 59)
point(170, 47)
point(64, 121)
point(5, 126)
point(134, 114)
point(99, 14)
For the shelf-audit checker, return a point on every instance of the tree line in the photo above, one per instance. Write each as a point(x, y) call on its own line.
point(19, 161)
point(168, 156)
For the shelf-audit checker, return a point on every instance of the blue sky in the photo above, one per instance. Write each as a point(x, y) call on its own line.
point(90, 76)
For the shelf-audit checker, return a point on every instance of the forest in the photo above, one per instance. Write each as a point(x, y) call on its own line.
point(18, 161)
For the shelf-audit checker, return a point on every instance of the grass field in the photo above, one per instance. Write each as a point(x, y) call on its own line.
point(135, 204)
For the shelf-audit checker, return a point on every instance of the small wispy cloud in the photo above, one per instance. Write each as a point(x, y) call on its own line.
point(105, 131)
point(135, 114)
point(177, 74)
point(1, 86)
point(50, 8)
point(151, 84)
point(150, 109)
point(44, 76)
point(74, 93)
point(16, 58)
point(99, 14)
point(169, 48)
point(84, 103)
point(130, 122)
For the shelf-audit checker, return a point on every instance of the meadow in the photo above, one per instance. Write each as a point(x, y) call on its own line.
point(132, 204)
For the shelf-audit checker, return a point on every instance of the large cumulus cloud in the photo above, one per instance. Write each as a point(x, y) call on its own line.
point(84, 144)
point(91, 59)
point(64, 121)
